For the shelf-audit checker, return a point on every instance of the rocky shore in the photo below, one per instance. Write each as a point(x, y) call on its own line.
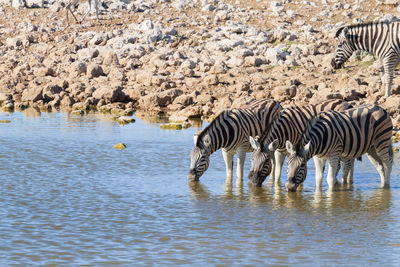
point(185, 58)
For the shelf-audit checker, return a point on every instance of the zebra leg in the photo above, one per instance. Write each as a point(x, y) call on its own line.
point(386, 157)
point(319, 171)
point(241, 157)
point(350, 172)
point(228, 158)
point(279, 159)
point(389, 63)
point(347, 172)
point(378, 164)
point(332, 170)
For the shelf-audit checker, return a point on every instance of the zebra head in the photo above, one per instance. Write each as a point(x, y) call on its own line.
point(199, 157)
point(344, 49)
point(296, 166)
point(261, 161)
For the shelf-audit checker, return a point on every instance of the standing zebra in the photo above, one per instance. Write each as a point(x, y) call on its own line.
point(230, 130)
point(343, 135)
point(288, 125)
point(381, 39)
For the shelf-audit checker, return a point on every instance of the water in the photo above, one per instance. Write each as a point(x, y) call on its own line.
point(68, 198)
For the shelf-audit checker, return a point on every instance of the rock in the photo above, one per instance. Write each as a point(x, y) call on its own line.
point(125, 120)
point(283, 93)
point(325, 94)
point(32, 94)
point(175, 126)
point(274, 55)
point(18, 4)
point(392, 105)
point(120, 146)
point(109, 94)
point(161, 99)
point(351, 94)
point(276, 7)
point(184, 100)
point(77, 68)
point(94, 70)
point(13, 43)
point(86, 54)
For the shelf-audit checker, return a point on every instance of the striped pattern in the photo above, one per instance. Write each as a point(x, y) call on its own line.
point(230, 131)
point(380, 39)
point(289, 125)
point(344, 135)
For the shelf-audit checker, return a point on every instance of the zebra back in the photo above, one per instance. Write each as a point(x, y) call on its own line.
point(291, 122)
point(352, 132)
point(233, 127)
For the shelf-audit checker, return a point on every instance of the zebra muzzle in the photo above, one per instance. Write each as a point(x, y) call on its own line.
point(291, 187)
point(192, 175)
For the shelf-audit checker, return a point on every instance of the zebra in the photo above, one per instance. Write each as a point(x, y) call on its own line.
point(381, 39)
point(343, 135)
point(289, 125)
point(230, 130)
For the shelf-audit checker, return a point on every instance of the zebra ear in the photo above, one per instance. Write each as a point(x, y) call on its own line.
point(207, 140)
point(289, 148)
point(195, 137)
point(254, 143)
point(274, 145)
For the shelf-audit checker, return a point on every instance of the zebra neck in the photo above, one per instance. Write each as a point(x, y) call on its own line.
point(282, 130)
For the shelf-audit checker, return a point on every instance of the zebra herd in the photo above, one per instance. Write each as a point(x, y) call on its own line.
point(332, 131)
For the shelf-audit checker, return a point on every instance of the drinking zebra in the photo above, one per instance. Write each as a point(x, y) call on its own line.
point(343, 135)
point(380, 39)
point(288, 125)
point(230, 130)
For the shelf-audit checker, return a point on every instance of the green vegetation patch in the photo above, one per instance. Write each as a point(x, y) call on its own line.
point(5, 121)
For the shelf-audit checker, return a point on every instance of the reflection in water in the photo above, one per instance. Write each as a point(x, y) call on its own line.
point(197, 190)
point(152, 117)
point(31, 112)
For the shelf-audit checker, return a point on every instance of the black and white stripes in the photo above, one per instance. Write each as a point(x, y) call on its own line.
point(380, 39)
point(345, 136)
point(289, 125)
point(230, 131)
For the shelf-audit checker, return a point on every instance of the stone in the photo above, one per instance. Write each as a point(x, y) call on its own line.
point(184, 100)
point(119, 146)
point(109, 94)
point(87, 54)
point(122, 120)
point(13, 43)
point(392, 105)
point(282, 93)
point(32, 94)
point(94, 70)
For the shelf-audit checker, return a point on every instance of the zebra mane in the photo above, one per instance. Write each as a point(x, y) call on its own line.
point(339, 31)
point(306, 135)
point(265, 134)
point(206, 130)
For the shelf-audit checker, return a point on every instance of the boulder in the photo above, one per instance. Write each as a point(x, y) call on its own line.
point(94, 70)
point(161, 99)
point(109, 94)
point(32, 94)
